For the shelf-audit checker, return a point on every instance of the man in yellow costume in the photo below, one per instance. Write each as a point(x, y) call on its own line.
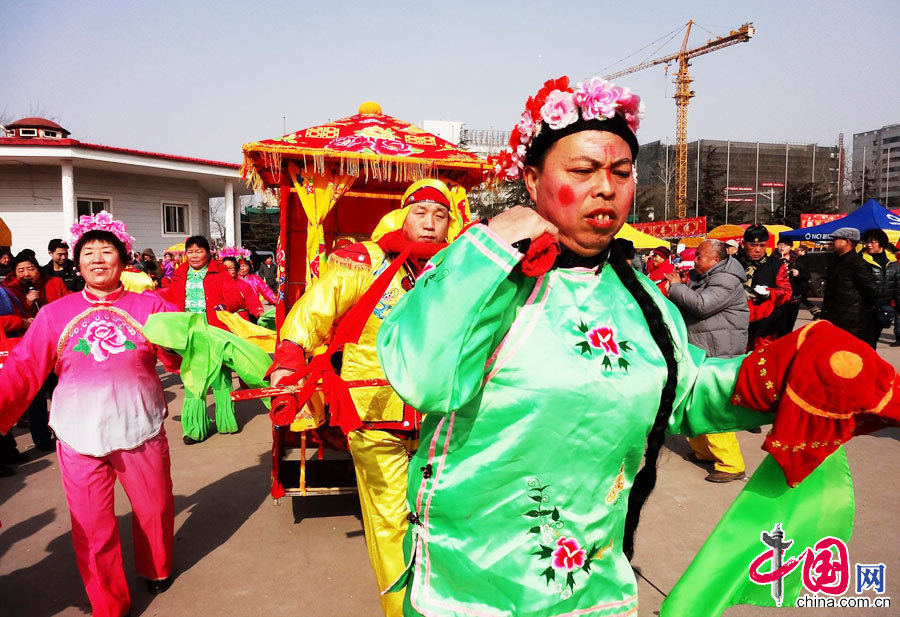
point(387, 435)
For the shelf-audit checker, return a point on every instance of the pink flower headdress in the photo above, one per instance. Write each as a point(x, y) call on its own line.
point(104, 221)
point(238, 252)
point(558, 105)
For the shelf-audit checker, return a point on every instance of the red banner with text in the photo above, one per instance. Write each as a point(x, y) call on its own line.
point(675, 228)
point(811, 220)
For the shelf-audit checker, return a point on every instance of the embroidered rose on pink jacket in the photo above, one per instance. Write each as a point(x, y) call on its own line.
point(102, 338)
point(568, 555)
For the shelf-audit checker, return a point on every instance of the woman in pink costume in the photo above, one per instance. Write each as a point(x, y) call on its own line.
point(256, 282)
point(107, 413)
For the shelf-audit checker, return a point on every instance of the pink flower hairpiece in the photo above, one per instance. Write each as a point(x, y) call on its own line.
point(556, 106)
point(238, 252)
point(104, 221)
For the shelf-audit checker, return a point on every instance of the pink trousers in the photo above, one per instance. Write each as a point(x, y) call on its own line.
point(88, 482)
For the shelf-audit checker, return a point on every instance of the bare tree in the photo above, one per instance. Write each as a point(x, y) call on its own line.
point(487, 202)
point(217, 220)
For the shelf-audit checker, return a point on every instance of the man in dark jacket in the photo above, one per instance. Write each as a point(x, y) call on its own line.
point(269, 272)
point(62, 267)
point(850, 288)
point(714, 306)
point(768, 287)
point(878, 254)
point(798, 275)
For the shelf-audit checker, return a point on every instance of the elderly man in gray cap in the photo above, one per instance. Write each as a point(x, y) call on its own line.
point(850, 287)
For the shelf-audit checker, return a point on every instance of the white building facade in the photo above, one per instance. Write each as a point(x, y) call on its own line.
point(878, 152)
point(47, 183)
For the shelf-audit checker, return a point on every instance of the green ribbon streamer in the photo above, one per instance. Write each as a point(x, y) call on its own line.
point(204, 349)
point(718, 577)
point(267, 320)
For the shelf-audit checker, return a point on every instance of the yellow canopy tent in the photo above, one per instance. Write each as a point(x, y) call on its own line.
point(639, 238)
point(692, 242)
point(726, 232)
point(775, 230)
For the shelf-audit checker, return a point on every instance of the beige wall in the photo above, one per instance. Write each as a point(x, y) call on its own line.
point(31, 204)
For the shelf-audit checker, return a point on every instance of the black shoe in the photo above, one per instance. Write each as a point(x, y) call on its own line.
point(46, 446)
point(157, 587)
point(14, 458)
point(895, 344)
point(755, 430)
point(189, 441)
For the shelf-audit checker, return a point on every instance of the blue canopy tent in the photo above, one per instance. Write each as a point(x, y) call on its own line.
point(870, 215)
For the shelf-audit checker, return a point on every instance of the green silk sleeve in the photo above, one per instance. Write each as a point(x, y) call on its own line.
point(705, 385)
point(434, 344)
point(706, 406)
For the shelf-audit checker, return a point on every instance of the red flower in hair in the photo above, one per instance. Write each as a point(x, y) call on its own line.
point(515, 137)
point(534, 107)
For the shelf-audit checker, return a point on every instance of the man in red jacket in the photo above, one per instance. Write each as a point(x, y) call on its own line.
point(203, 286)
point(768, 287)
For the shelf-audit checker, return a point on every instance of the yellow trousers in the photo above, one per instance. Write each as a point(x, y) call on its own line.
point(381, 460)
point(722, 448)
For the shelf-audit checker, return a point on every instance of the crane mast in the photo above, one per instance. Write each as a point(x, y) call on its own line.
point(683, 95)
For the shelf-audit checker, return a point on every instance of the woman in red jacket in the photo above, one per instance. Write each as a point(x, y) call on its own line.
point(658, 266)
point(202, 285)
point(31, 289)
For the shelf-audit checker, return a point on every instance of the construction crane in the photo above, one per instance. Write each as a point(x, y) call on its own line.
point(683, 95)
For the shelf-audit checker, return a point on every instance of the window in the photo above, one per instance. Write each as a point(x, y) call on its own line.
point(89, 207)
point(27, 132)
point(175, 218)
point(50, 133)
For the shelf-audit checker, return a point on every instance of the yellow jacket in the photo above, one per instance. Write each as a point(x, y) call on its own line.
point(350, 272)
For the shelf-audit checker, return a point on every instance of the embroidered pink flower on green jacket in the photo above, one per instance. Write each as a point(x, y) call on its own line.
point(602, 338)
point(568, 555)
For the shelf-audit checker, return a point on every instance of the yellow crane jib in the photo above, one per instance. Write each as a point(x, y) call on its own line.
point(683, 95)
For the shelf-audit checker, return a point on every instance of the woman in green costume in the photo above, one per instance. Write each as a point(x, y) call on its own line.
point(544, 393)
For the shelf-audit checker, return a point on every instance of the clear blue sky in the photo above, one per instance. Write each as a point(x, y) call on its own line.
point(202, 78)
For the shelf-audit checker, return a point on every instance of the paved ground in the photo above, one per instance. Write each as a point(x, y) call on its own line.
point(239, 554)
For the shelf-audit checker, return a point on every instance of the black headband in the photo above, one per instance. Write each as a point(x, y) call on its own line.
point(547, 137)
